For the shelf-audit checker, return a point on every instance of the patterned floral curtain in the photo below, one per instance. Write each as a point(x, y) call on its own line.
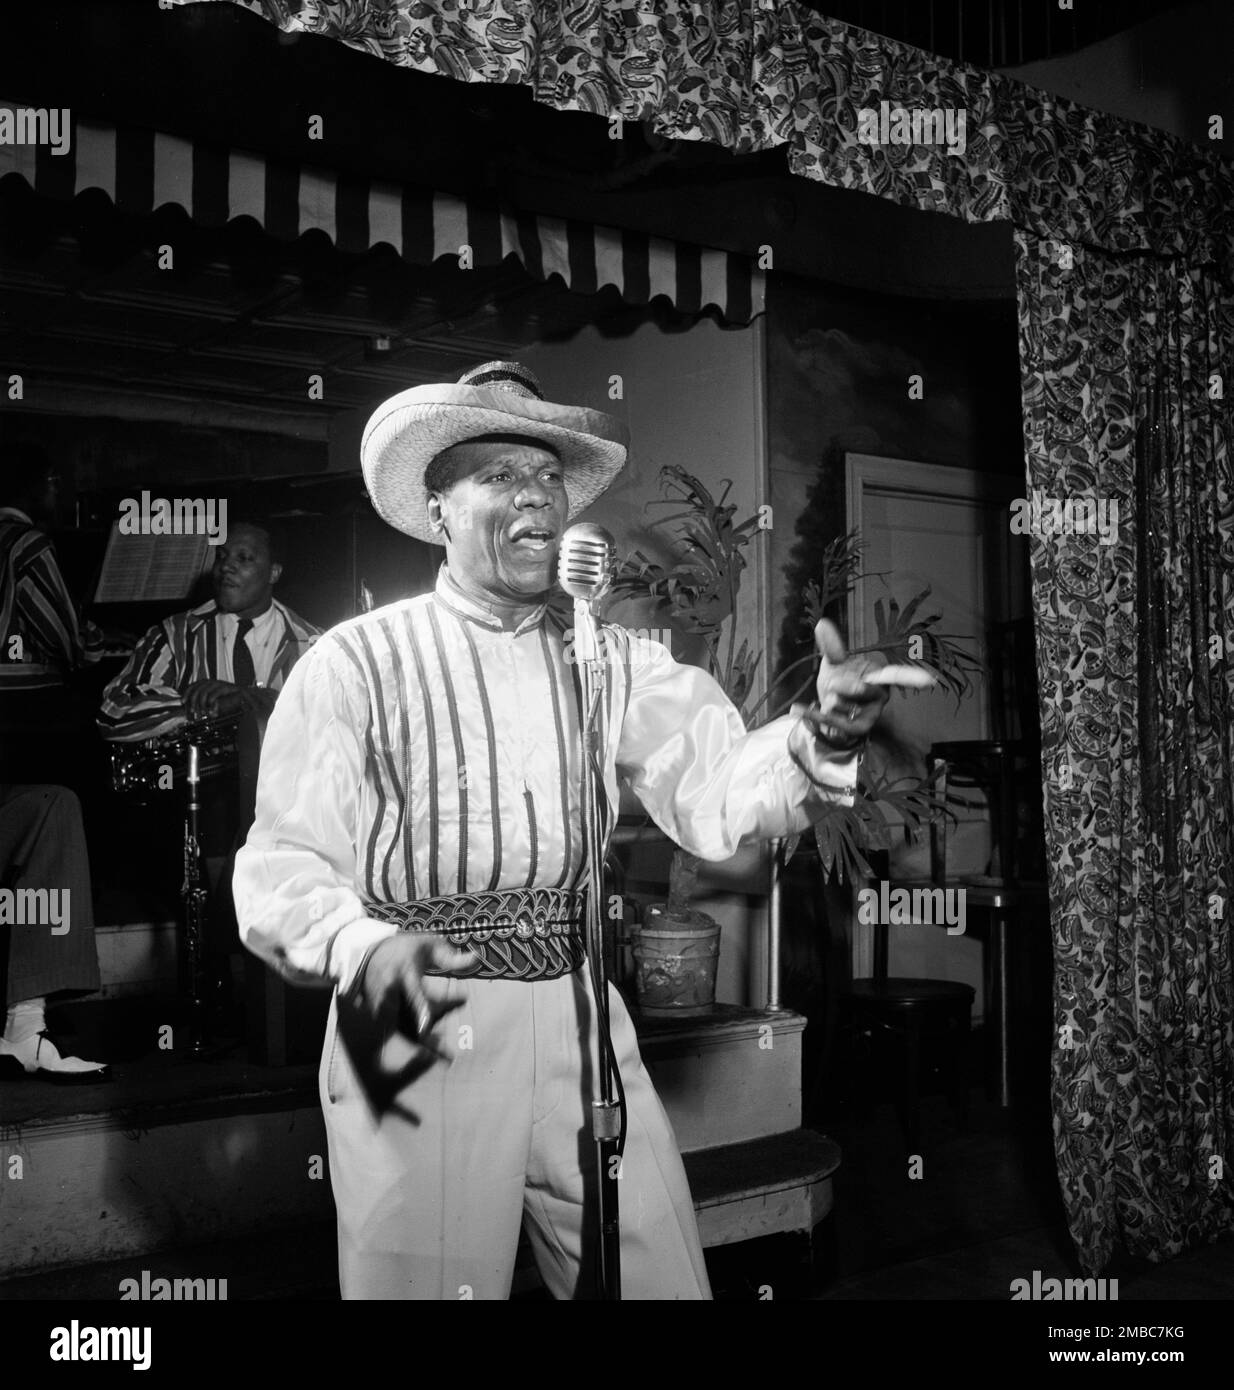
point(1125, 278)
point(1121, 357)
point(753, 74)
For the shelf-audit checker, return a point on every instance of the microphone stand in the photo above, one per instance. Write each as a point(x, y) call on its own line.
point(607, 1113)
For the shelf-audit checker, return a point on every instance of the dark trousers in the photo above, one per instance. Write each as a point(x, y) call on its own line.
point(43, 846)
point(49, 737)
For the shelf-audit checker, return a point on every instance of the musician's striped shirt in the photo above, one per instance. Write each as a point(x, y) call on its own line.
point(147, 697)
point(41, 639)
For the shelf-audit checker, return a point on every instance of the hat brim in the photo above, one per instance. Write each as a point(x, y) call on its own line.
point(405, 434)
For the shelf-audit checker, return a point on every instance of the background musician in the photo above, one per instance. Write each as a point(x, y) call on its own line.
point(225, 658)
point(189, 667)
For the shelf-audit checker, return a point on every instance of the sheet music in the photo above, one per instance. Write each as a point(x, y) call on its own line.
point(138, 569)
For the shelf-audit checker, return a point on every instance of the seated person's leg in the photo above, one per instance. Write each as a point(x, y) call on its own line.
point(43, 848)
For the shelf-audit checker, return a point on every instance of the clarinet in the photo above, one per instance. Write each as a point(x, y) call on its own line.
point(193, 898)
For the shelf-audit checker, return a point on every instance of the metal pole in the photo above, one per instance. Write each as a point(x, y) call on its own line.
point(606, 1111)
point(773, 930)
point(1003, 997)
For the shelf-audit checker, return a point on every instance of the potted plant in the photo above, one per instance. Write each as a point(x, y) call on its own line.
point(904, 634)
point(676, 948)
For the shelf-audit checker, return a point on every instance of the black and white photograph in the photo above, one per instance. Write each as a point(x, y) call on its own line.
point(615, 674)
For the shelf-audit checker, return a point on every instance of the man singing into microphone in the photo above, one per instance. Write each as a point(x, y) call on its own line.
point(418, 848)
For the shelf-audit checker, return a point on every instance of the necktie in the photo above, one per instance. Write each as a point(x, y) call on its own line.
point(242, 670)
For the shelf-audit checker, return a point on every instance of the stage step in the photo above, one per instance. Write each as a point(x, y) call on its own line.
point(171, 1154)
point(765, 1187)
point(179, 1153)
point(741, 1192)
point(725, 1077)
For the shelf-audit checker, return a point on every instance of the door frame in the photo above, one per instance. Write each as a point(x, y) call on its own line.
point(911, 478)
point(989, 492)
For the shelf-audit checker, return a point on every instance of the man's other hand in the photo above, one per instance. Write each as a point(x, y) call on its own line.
point(847, 703)
point(392, 987)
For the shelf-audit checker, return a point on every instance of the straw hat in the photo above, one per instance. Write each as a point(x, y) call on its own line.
point(405, 434)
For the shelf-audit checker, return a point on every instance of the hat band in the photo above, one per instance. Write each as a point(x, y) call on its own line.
point(501, 437)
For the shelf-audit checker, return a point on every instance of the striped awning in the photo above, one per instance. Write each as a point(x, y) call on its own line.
point(142, 171)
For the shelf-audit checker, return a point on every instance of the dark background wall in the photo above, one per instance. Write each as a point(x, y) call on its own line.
point(334, 540)
point(838, 367)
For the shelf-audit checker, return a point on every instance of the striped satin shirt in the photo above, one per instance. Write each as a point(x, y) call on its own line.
point(35, 609)
point(147, 697)
point(420, 750)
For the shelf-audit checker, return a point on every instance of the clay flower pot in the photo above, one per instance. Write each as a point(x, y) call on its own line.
point(675, 960)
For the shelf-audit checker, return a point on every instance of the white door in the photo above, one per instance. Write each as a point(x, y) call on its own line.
point(945, 528)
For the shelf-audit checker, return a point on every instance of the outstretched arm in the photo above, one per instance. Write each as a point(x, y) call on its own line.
point(709, 784)
point(706, 782)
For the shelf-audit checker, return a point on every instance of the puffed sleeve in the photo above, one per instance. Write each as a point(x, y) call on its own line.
point(706, 782)
point(295, 878)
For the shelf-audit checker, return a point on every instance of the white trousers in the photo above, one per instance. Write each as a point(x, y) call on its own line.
point(432, 1193)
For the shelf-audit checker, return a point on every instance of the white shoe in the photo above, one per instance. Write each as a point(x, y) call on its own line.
point(39, 1057)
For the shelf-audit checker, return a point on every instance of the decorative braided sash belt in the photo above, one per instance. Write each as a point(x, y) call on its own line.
point(514, 933)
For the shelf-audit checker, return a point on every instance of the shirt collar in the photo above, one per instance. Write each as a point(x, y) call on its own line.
point(450, 596)
point(261, 625)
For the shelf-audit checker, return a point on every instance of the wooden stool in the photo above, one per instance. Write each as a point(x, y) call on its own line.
point(913, 1012)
